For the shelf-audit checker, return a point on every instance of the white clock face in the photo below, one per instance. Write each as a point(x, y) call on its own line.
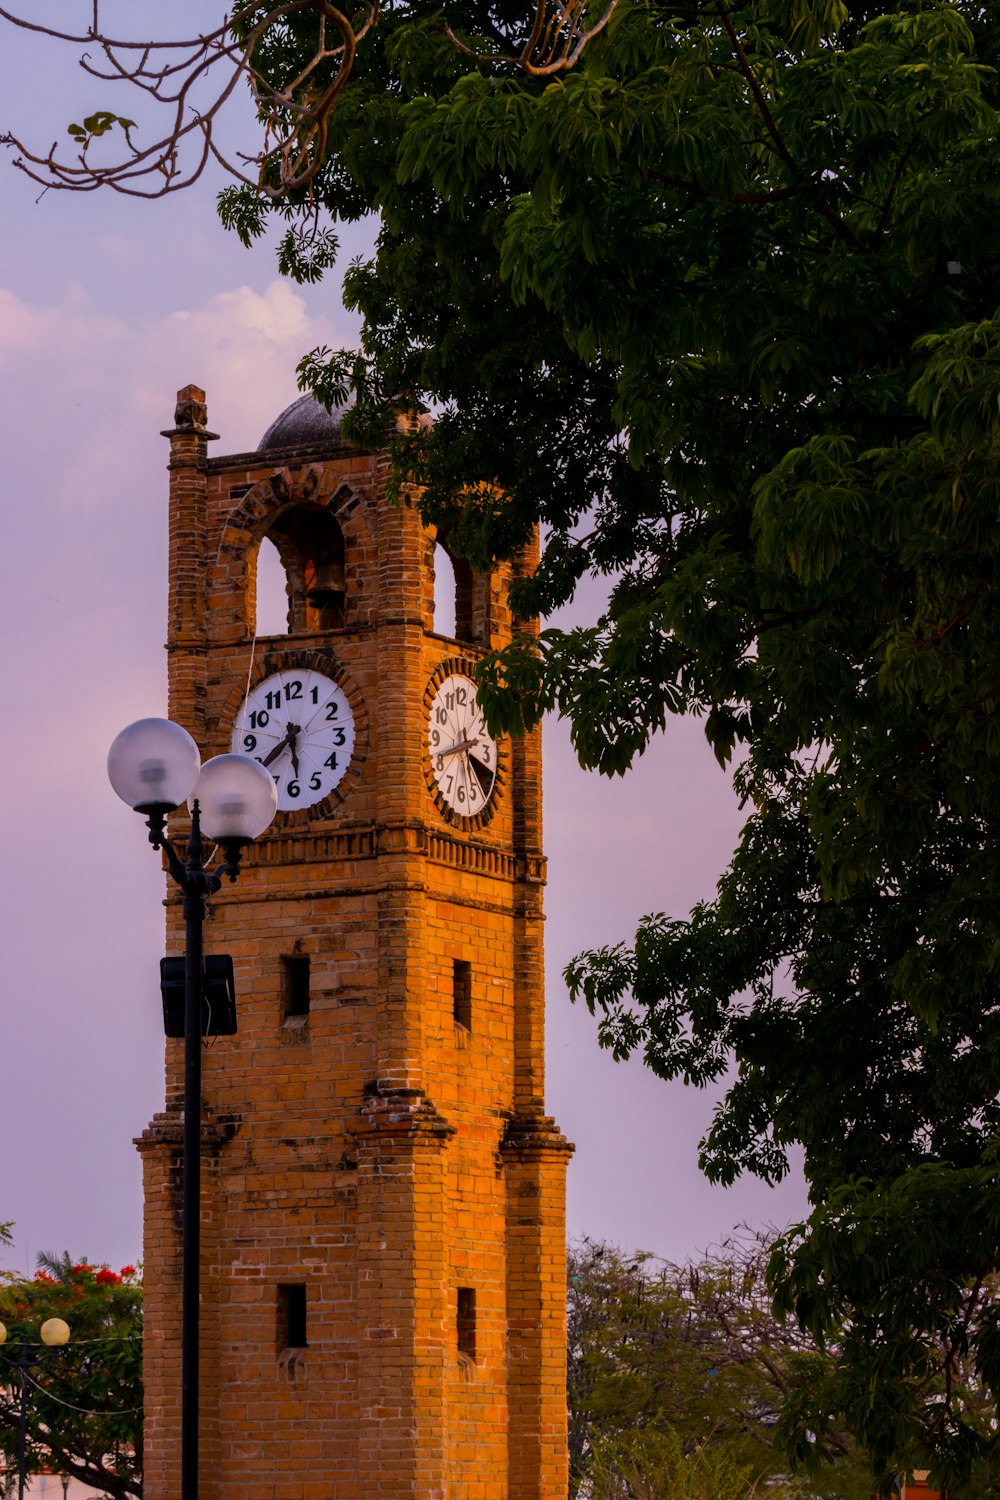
point(463, 755)
point(299, 725)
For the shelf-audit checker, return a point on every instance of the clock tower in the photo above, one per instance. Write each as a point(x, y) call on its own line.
point(383, 1238)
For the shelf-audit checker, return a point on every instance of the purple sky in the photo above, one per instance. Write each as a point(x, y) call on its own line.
point(107, 307)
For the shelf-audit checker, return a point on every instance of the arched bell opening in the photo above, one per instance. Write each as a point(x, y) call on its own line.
point(453, 594)
point(310, 546)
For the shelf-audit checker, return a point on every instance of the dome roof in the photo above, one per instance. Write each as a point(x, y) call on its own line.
point(304, 424)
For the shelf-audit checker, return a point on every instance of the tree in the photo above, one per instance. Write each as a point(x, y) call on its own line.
point(677, 1376)
point(84, 1399)
point(654, 1463)
point(716, 304)
point(719, 309)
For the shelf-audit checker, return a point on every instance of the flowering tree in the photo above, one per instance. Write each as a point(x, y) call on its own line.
point(84, 1400)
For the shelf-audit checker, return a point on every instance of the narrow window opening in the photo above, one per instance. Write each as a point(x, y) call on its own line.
point(466, 1322)
point(296, 985)
point(272, 591)
point(444, 592)
point(453, 580)
point(292, 1317)
point(462, 993)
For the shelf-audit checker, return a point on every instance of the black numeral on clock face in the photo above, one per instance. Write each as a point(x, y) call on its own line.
point(300, 722)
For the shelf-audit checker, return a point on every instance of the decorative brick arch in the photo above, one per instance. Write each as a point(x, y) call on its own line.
point(300, 497)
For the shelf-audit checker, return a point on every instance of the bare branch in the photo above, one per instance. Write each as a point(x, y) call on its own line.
point(295, 115)
point(555, 43)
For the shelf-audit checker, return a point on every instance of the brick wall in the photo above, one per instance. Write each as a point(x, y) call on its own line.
point(393, 1162)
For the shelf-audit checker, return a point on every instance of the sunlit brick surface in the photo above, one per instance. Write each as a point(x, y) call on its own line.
point(374, 1151)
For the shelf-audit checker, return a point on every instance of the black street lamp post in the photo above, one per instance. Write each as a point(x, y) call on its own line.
point(54, 1333)
point(154, 766)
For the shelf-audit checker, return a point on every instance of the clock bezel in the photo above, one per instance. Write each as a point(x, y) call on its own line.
point(458, 666)
point(292, 660)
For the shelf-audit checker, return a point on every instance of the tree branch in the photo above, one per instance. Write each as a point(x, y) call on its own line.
point(295, 115)
point(554, 45)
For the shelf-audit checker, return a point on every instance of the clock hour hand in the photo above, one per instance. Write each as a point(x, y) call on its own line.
point(288, 742)
point(276, 751)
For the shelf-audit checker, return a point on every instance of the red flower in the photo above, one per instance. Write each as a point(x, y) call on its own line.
point(107, 1277)
point(128, 1271)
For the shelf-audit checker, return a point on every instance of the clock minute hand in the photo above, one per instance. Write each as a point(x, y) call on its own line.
point(458, 747)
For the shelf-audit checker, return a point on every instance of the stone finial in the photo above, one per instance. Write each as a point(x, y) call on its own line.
point(191, 409)
point(190, 413)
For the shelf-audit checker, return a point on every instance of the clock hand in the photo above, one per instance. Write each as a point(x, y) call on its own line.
point(288, 742)
point(458, 747)
point(293, 732)
point(276, 751)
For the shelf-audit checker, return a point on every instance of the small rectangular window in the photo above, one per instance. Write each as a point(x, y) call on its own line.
point(462, 993)
point(296, 985)
point(466, 1321)
point(292, 1317)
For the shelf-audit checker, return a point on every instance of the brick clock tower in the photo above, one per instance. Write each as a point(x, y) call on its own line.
point(383, 1238)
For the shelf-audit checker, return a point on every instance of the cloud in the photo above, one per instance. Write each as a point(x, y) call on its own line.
point(85, 397)
point(242, 347)
point(110, 387)
point(72, 333)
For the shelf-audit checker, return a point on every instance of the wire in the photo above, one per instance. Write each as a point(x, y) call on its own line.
point(243, 711)
point(87, 1411)
point(109, 1338)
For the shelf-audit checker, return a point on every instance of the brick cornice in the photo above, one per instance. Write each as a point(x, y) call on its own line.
point(402, 1114)
point(533, 1135)
point(166, 1128)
